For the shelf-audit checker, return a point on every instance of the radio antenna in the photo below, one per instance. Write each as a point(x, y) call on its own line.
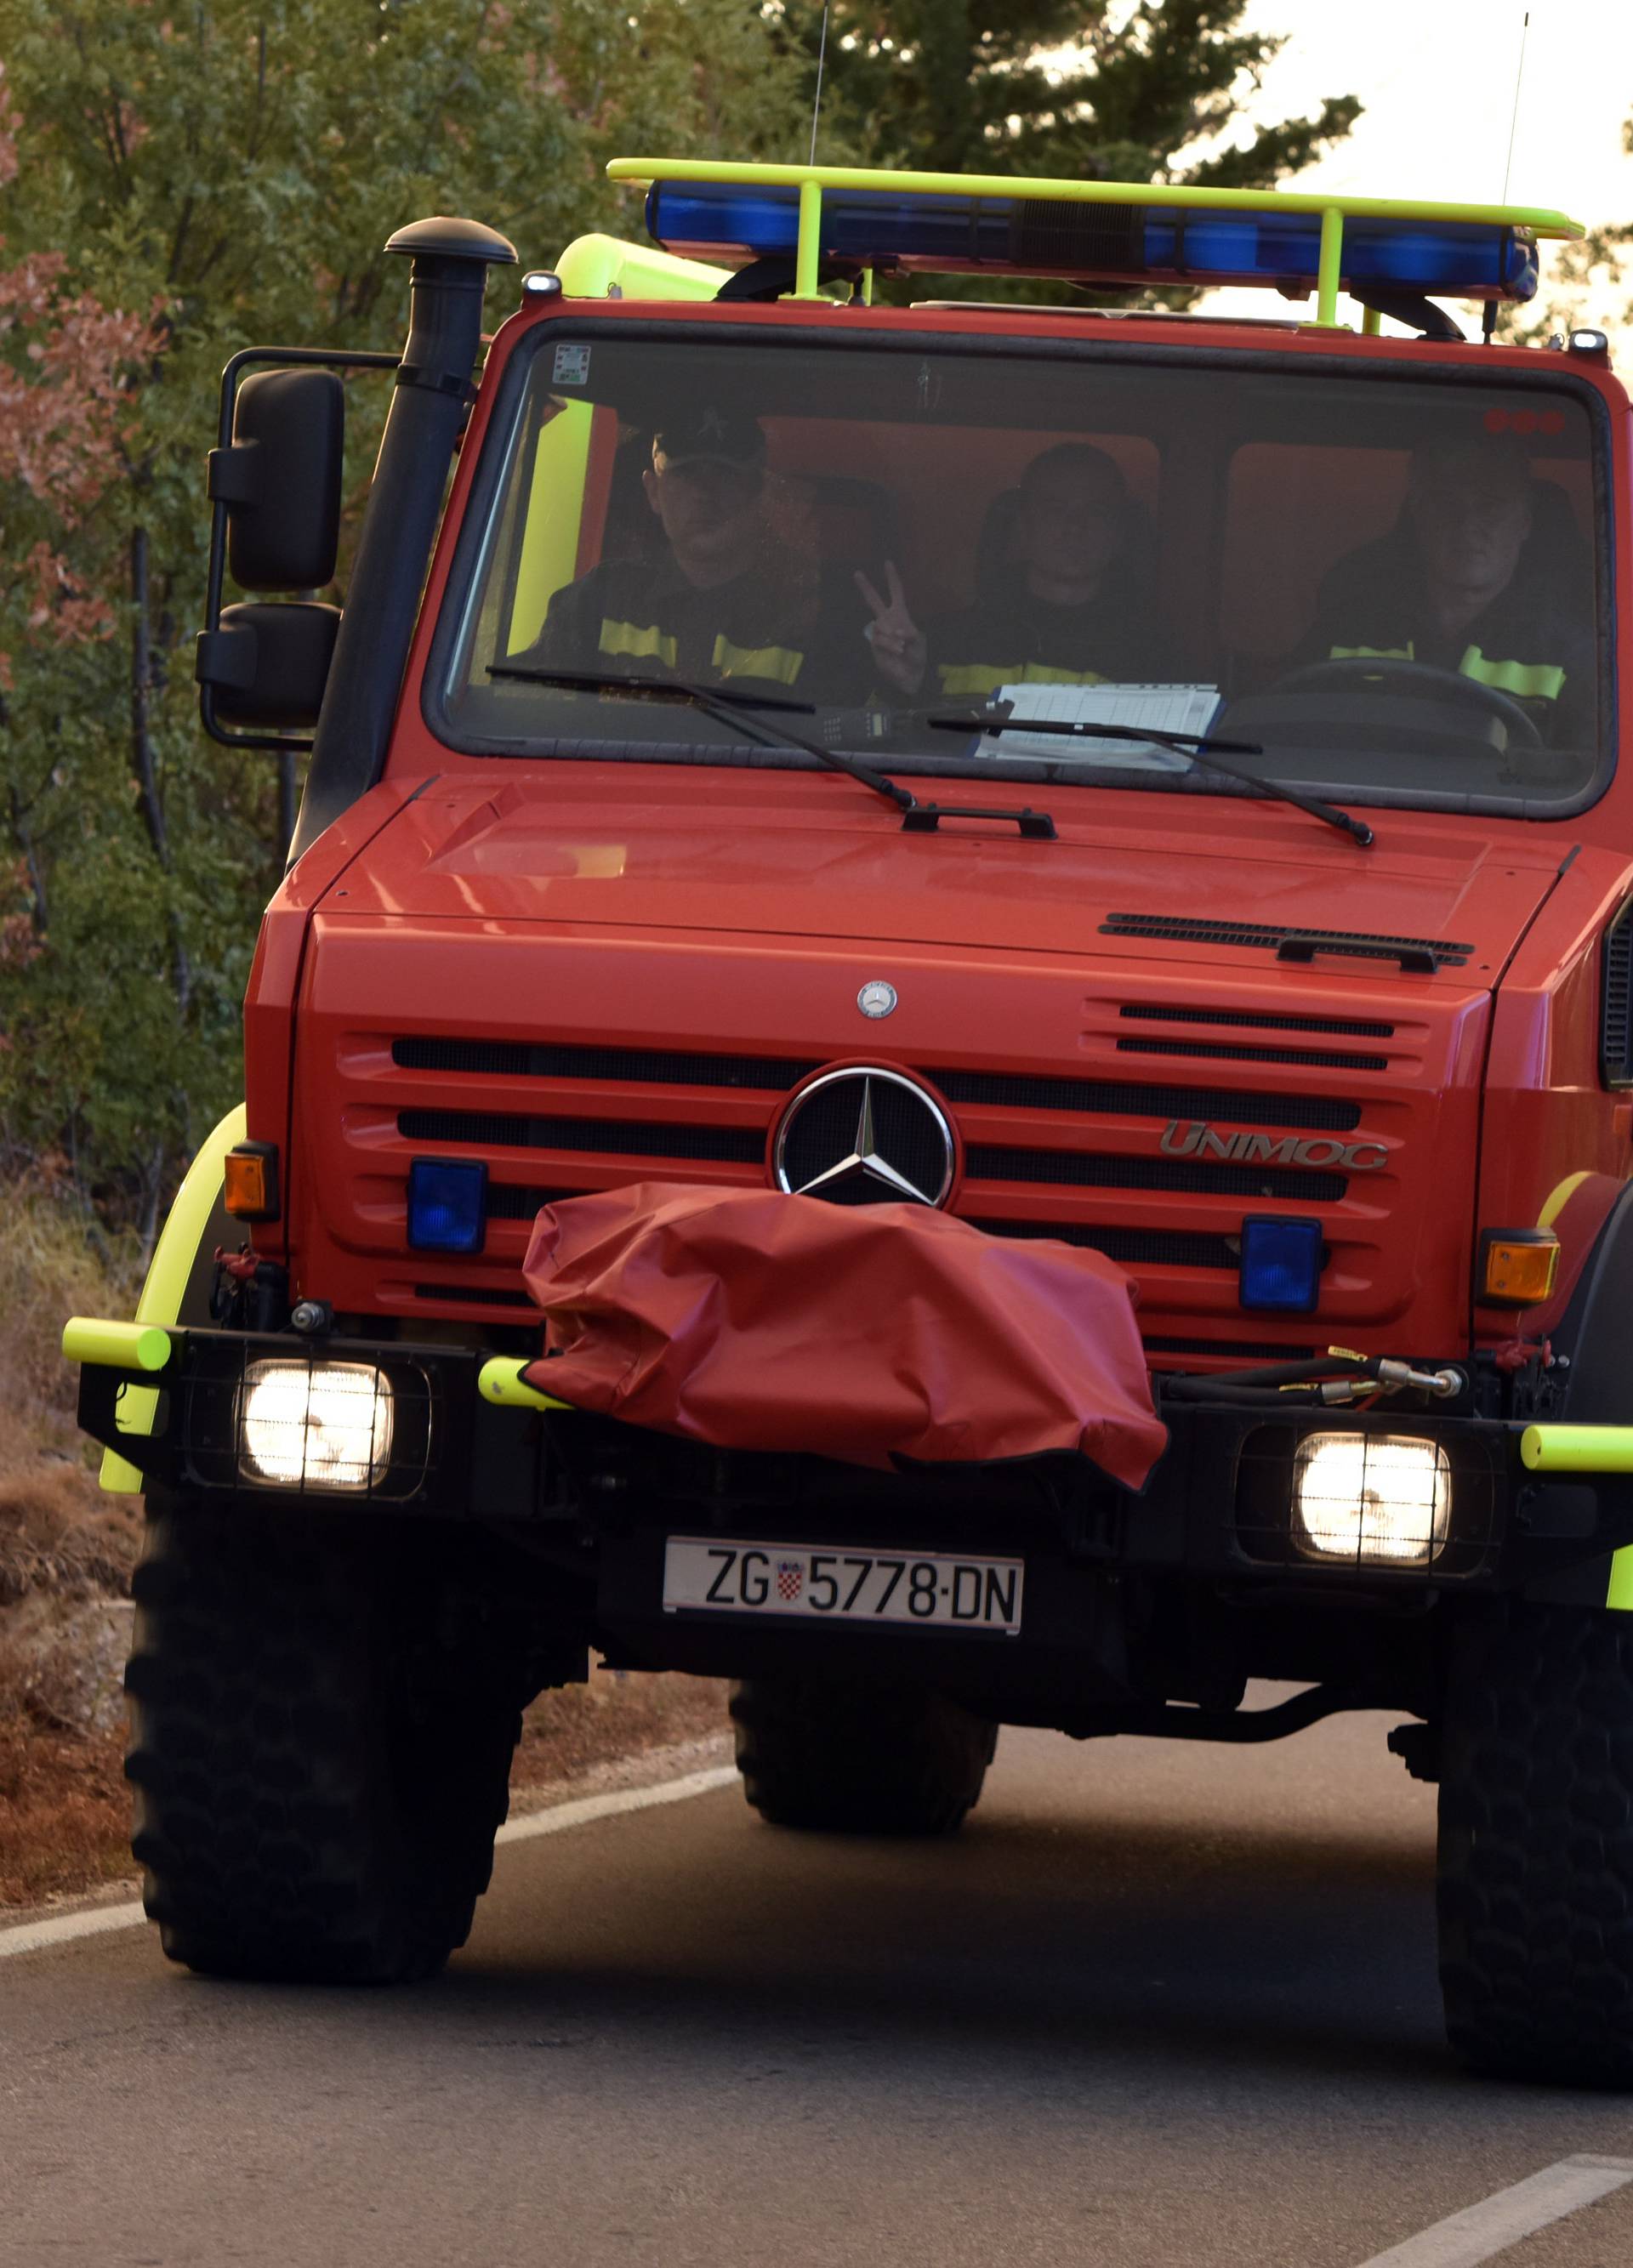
point(1519, 74)
point(822, 57)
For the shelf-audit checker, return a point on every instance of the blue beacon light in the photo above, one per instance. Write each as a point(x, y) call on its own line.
point(1280, 1264)
point(448, 1207)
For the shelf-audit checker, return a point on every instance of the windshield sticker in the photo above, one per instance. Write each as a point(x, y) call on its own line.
point(570, 366)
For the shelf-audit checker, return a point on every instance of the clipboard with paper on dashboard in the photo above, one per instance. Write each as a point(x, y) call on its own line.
point(1189, 710)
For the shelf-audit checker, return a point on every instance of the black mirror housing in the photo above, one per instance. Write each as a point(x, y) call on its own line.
point(280, 480)
point(265, 666)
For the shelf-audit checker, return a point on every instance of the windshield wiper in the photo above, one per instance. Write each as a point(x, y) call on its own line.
point(725, 705)
point(1196, 747)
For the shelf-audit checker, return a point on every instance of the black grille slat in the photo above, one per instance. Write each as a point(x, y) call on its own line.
point(1234, 1051)
point(1184, 929)
point(634, 1066)
point(986, 1161)
point(630, 1137)
point(1002, 1090)
point(1257, 1350)
point(1131, 1247)
point(1107, 1099)
point(473, 1295)
point(507, 1202)
point(1356, 1028)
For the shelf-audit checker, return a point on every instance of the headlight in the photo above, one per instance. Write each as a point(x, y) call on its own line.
point(316, 1425)
point(1375, 1500)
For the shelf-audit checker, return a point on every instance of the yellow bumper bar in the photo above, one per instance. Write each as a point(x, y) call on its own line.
point(1577, 1448)
point(499, 1381)
point(116, 1346)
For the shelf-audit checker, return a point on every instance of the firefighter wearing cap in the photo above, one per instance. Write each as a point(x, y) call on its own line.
point(731, 600)
point(1471, 580)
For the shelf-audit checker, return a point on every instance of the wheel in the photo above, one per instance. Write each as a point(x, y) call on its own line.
point(1535, 1889)
point(319, 1752)
point(859, 1759)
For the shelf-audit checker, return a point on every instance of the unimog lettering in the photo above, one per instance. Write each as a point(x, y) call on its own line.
point(1197, 1139)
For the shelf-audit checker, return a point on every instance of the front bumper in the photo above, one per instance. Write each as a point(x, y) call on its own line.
point(1219, 1504)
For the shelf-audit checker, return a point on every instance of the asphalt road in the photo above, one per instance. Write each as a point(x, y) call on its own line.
point(1157, 2005)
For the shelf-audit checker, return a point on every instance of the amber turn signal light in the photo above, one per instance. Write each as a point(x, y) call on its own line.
point(1518, 1266)
point(252, 1182)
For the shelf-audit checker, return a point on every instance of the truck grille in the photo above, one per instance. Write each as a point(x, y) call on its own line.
point(1067, 1148)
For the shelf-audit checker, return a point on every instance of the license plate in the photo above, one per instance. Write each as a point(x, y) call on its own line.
point(933, 1590)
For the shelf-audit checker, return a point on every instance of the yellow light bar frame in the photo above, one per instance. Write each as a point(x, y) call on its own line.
point(812, 180)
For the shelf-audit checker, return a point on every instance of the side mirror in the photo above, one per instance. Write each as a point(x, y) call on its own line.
point(265, 666)
point(279, 479)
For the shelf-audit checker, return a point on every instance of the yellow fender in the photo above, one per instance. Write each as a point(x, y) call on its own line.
point(173, 1259)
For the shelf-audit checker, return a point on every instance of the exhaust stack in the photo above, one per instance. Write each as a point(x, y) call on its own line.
point(451, 258)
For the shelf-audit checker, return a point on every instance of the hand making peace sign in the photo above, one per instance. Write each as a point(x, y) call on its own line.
point(898, 646)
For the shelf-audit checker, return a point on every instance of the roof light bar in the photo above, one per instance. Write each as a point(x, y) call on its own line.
point(1098, 232)
point(1100, 243)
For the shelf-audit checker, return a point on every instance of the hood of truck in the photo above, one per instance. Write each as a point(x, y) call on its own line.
point(792, 856)
point(581, 992)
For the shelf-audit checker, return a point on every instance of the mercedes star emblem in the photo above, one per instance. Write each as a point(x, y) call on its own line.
point(876, 998)
point(865, 1136)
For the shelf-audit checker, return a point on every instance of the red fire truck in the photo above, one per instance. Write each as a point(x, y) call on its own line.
point(1116, 792)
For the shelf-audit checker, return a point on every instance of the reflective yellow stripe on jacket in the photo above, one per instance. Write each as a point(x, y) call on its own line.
point(779, 664)
point(970, 677)
point(1525, 680)
point(641, 642)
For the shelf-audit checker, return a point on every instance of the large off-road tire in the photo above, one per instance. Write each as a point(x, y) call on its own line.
point(1536, 1845)
point(859, 1759)
point(321, 1744)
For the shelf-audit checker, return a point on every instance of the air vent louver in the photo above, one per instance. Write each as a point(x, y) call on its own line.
point(1615, 1046)
point(1289, 938)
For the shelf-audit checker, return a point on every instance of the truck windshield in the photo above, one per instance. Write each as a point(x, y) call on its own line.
point(1390, 585)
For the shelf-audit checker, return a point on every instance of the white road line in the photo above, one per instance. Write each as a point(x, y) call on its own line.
point(586, 1808)
point(35, 1936)
point(1500, 2220)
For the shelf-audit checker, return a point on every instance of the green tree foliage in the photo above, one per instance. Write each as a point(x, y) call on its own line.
point(1124, 90)
point(176, 184)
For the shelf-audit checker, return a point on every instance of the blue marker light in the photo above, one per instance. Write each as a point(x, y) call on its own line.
point(448, 1207)
point(1280, 1265)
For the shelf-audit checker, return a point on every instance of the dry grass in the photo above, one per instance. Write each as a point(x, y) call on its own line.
point(65, 1547)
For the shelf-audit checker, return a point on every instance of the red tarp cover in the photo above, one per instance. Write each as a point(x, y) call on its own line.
point(750, 1320)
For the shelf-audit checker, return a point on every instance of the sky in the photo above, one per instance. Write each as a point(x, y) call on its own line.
point(1437, 79)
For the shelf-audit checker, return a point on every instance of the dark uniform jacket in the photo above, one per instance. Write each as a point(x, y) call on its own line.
point(1534, 642)
point(630, 617)
point(1027, 643)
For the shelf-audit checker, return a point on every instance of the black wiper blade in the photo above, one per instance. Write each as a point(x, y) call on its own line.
point(726, 705)
point(1196, 747)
